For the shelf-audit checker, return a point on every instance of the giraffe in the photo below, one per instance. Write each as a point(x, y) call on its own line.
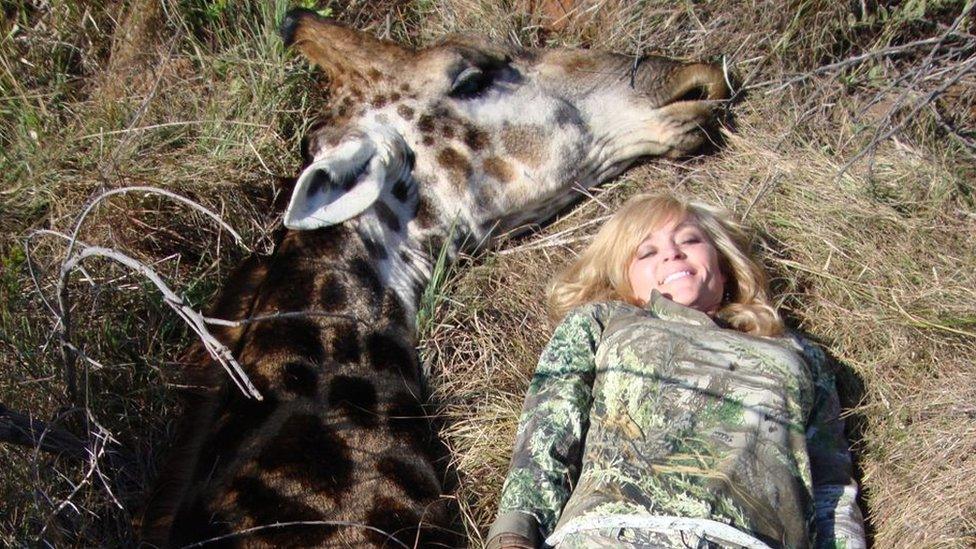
point(424, 150)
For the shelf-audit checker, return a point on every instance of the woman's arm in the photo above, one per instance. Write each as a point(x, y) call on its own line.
point(549, 441)
point(838, 518)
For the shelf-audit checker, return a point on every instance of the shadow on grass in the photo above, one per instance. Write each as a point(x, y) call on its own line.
point(850, 384)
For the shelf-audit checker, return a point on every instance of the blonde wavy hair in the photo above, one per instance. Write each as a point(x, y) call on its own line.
point(600, 273)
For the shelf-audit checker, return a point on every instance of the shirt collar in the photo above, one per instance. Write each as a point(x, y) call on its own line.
point(665, 309)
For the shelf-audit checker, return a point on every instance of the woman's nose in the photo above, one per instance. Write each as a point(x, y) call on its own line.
point(672, 252)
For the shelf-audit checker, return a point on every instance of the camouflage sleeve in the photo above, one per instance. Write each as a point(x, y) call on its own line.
point(548, 444)
point(837, 517)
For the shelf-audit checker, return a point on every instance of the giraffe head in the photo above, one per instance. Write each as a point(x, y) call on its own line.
point(479, 138)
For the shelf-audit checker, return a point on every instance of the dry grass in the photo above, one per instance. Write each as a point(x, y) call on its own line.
point(875, 259)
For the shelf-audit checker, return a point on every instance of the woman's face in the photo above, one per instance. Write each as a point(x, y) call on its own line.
point(680, 261)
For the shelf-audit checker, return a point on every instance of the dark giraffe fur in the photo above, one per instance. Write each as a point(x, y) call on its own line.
point(424, 149)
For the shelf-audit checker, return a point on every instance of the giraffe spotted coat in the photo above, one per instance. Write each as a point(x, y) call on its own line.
point(657, 426)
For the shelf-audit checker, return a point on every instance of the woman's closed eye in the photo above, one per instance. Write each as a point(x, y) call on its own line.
point(646, 252)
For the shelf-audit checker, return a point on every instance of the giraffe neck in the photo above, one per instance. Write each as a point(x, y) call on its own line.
point(342, 433)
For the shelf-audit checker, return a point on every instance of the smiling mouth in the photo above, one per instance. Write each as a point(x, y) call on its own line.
point(675, 276)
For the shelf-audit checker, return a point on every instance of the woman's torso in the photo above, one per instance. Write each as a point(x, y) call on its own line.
point(693, 422)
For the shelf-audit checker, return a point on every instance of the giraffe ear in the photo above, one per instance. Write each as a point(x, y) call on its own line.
point(336, 188)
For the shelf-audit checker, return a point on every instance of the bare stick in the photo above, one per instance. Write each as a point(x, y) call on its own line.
point(95, 454)
point(25, 430)
point(966, 68)
point(249, 531)
point(969, 145)
point(194, 319)
point(151, 190)
point(278, 316)
point(170, 124)
point(64, 334)
point(854, 60)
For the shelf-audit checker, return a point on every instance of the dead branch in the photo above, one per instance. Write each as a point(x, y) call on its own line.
point(249, 531)
point(195, 320)
point(151, 190)
point(915, 77)
point(969, 145)
point(64, 313)
point(966, 68)
point(26, 430)
point(281, 315)
point(854, 60)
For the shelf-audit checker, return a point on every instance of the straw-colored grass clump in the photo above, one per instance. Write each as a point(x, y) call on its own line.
point(851, 149)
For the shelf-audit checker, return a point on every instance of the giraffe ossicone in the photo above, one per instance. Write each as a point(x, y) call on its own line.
point(422, 151)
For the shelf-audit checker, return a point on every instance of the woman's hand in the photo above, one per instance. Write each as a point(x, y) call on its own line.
point(509, 541)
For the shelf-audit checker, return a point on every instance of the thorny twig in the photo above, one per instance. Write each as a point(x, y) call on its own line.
point(97, 450)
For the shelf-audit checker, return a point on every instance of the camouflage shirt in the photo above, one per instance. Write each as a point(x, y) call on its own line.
point(657, 418)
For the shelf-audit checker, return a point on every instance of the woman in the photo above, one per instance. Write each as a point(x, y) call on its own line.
point(670, 408)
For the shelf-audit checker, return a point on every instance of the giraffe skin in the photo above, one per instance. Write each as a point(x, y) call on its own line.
point(423, 150)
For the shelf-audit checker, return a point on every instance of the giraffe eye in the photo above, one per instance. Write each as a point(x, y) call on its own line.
point(469, 82)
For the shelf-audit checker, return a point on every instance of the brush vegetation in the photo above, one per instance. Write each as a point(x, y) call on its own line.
point(851, 150)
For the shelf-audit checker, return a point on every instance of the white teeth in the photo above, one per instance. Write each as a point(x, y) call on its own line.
point(675, 276)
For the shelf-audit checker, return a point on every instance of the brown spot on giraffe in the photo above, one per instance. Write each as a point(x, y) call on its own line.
point(300, 378)
point(312, 452)
point(425, 216)
point(409, 476)
point(426, 123)
point(498, 169)
point(332, 293)
point(405, 112)
point(386, 351)
point(475, 138)
point(265, 507)
point(344, 344)
point(355, 398)
point(458, 167)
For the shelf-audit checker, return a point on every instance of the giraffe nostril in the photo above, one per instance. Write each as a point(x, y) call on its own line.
point(696, 93)
point(699, 82)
